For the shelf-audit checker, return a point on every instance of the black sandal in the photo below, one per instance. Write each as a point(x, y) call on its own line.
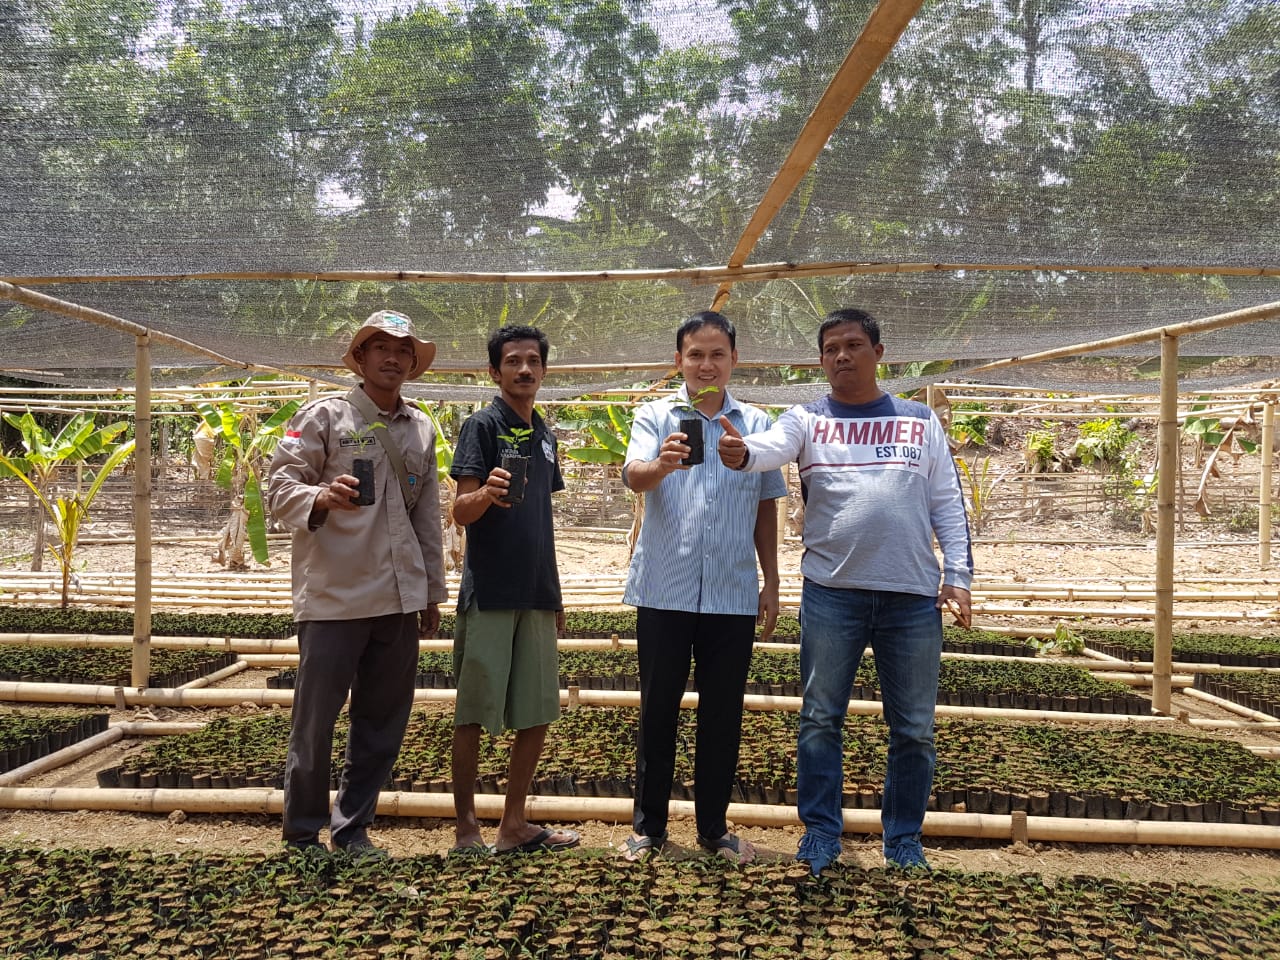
point(730, 846)
point(640, 849)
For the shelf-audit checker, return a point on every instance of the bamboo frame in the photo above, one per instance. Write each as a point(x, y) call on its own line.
point(878, 38)
point(261, 800)
point(123, 698)
point(704, 275)
point(1266, 311)
point(142, 593)
point(1227, 705)
point(40, 301)
point(1265, 483)
point(1169, 463)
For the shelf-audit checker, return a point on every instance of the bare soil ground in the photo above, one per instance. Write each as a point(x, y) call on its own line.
point(1000, 558)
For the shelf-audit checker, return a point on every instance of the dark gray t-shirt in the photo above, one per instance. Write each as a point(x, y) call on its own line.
point(511, 554)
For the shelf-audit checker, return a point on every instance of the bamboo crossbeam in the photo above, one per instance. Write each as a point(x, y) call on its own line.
point(123, 698)
point(879, 36)
point(89, 745)
point(267, 801)
point(40, 301)
point(696, 275)
point(1235, 708)
point(1266, 311)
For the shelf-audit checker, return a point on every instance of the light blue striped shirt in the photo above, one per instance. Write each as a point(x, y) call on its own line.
point(696, 551)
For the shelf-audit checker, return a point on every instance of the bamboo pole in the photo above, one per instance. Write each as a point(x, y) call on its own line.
point(83, 748)
point(40, 301)
point(263, 800)
point(1168, 462)
point(141, 667)
point(1266, 311)
point(1265, 484)
point(1235, 708)
point(230, 670)
point(878, 38)
point(61, 757)
point(123, 698)
point(696, 275)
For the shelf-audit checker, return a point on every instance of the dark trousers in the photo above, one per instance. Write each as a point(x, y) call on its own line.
point(720, 647)
point(375, 660)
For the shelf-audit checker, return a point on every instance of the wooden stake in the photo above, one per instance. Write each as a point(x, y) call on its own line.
point(1165, 490)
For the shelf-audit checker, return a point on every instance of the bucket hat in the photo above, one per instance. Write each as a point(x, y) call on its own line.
point(397, 325)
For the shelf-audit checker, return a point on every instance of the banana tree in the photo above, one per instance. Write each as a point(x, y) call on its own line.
point(455, 535)
point(612, 433)
point(68, 512)
point(247, 446)
point(44, 452)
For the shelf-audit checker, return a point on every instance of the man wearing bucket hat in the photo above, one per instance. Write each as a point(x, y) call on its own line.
point(368, 578)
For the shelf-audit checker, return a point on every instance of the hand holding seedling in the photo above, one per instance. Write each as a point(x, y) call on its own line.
point(338, 493)
point(956, 601)
point(673, 450)
point(496, 486)
point(732, 448)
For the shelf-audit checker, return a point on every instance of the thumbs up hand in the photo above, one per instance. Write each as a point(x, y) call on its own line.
point(732, 448)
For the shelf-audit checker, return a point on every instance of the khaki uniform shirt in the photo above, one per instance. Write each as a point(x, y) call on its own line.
point(375, 560)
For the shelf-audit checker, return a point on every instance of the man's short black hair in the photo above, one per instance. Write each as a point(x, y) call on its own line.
point(707, 318)
point(870, 326)
point(512, 332)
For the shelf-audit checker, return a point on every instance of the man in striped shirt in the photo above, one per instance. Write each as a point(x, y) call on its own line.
point(693, 579)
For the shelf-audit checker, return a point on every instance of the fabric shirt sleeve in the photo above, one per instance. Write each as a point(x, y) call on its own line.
point(780, 444)
point(645, 443)
point(427, 524)
point(947, 512)
point(469, 458)
point(297, 466)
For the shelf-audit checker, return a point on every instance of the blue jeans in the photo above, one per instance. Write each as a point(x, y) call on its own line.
point(905, 633)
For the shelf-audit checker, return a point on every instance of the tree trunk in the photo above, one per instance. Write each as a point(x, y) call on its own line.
point(37, 552)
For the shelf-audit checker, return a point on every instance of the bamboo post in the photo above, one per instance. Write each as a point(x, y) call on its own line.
point(1161, 693)
point(1264, 483)
point(141, 666)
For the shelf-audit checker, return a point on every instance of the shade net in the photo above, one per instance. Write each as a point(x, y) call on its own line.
point(187, 138)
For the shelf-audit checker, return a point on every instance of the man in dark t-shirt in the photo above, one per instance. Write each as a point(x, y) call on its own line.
point(509, 606)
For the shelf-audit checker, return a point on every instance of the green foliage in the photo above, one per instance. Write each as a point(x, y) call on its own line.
point(444, 449)
point(108, 666)
point(979, 485)
point(1040, 448)
point(611, 430)
point(515, 438)
point(246, 449)
point(79, 440)
point(969, 423)
point(123, 903)
point(595, 752)
point(163, 624)
point(1105, 442)
point(1225, 648)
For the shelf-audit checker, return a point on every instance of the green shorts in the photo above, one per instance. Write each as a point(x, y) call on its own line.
point(508, 669)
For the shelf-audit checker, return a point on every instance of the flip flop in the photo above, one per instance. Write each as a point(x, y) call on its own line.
point(732, 847)
point(476, 848)
point(543, 841)
point(639, 849)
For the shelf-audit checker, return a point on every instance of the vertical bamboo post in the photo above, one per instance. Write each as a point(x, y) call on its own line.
point(313, 391)
point(1161, 691)
point(1264, 483)
point(141, 667)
